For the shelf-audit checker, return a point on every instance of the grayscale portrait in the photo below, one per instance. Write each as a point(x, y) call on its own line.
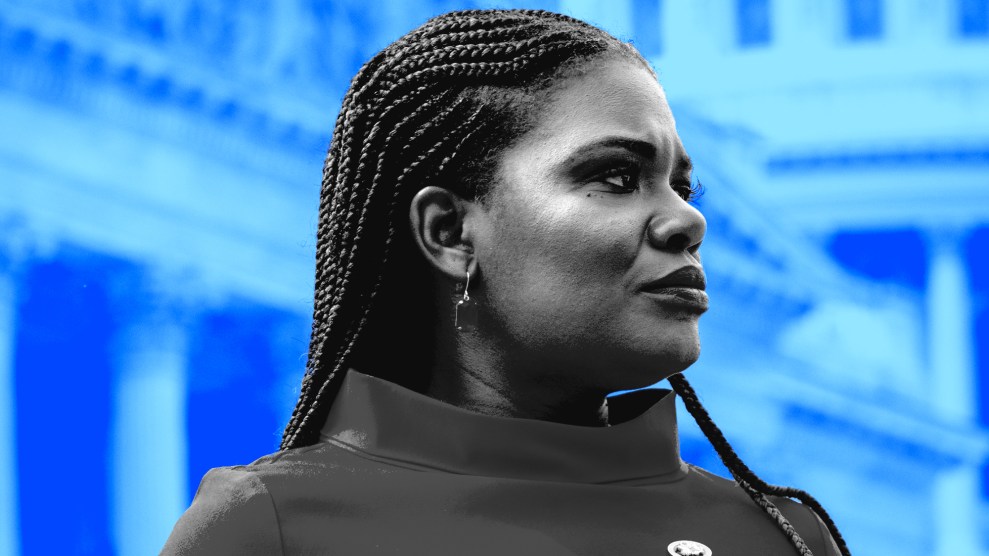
point(507, 257)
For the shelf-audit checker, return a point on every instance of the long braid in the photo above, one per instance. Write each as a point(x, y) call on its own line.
point(325, 307)
point(781, 521)
point(327, 204)
point(331, 384)
point(747, 478)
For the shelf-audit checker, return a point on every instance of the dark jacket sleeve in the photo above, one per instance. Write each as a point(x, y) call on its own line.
point(232, 513)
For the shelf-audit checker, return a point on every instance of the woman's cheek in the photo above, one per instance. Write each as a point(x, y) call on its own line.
point(601, 243)
point(551, 246)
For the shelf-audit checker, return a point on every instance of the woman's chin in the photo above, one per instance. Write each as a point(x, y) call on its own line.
point(648, 368)
point(670, 348)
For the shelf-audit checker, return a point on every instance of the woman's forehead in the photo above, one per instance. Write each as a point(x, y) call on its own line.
point(615, 99)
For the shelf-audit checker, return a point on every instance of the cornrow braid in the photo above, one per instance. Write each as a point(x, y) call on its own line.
point(437, 106)
point(747, 479)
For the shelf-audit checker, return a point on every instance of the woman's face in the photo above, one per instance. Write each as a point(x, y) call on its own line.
point(586, 215)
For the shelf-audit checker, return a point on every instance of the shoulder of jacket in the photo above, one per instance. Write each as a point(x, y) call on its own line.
point(232, 513)
point(810, 526)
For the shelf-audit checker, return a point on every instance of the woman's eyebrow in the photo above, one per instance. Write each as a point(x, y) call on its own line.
point(637, 146)
point(684, 164)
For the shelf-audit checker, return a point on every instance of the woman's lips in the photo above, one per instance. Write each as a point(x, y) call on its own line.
point(690, 299)
point(682, 288)
point(684, 277)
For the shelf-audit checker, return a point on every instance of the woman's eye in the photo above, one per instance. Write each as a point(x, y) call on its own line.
point(622, 180)
point(688, 190)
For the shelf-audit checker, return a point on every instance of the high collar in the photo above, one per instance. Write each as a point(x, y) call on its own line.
point(387, 421)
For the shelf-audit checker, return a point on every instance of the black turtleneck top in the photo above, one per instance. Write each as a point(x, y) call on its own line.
point(397, 472)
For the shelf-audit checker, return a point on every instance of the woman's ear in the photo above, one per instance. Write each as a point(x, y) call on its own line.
point(440, 225)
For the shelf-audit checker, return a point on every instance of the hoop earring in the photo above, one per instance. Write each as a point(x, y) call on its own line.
point(465, 311)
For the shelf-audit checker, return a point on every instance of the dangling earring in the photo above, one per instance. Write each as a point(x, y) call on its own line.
point(465, 311)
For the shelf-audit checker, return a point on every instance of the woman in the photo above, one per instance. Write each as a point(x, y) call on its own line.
point(505, 238)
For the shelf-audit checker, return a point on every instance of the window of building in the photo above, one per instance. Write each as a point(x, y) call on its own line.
point(973, 18)
point(753, 18)
point(864, 19)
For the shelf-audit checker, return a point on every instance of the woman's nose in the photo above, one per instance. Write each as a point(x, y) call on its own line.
point(676, 230)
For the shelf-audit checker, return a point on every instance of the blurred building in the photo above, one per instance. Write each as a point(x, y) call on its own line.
point(159, 170)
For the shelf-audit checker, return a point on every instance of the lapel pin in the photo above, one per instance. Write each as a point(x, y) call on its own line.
point(688, 548)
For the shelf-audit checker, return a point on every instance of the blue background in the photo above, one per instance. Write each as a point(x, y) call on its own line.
point(159, 171)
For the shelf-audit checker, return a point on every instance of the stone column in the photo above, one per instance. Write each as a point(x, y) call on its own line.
point(950, 328)
point(951, 354)
point(17, 243)
point(149, 462)
point(9, 526)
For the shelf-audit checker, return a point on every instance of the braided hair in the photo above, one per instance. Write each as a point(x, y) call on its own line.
point(755, 487)
point(435, 108)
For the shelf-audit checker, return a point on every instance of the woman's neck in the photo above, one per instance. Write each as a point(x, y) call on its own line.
point(483, 379)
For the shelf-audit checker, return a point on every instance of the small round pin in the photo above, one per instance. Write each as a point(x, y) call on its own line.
point(688, 548)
